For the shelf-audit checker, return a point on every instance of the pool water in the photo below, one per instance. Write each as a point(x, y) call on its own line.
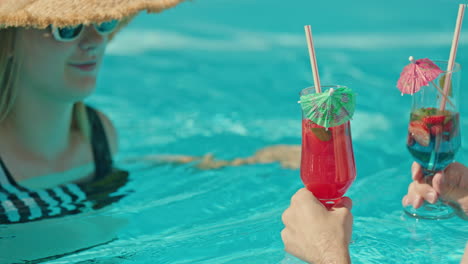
point(223, 77)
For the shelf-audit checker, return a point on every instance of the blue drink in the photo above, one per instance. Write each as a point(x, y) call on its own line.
point(433, 137)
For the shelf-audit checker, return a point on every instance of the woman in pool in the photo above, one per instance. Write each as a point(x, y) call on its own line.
point(49, 63)
point(50, 54)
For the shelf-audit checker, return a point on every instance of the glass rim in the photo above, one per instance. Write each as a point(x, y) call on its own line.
point(322, 86)
point(456, 66)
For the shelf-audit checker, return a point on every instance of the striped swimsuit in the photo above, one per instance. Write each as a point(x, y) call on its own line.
point(19, 204)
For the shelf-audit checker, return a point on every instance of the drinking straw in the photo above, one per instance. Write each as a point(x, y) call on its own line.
point(313, 58)
point(453, 54)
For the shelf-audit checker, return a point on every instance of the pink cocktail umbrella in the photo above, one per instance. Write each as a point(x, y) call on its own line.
point(416, 74)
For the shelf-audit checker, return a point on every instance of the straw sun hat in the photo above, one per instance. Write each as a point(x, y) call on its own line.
point(42, 13)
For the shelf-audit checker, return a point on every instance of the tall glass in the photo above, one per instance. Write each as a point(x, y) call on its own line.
point(434, 135)
point(327, 160)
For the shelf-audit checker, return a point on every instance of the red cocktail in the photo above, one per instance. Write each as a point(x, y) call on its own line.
point(327, 161)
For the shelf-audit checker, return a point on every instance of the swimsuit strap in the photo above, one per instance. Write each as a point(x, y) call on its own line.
point(5, 174)
point(100, 146)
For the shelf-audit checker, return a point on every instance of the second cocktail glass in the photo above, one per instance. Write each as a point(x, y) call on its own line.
point(434, 134)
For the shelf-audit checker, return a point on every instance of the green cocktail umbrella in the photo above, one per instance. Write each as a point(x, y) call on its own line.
point(331, 108)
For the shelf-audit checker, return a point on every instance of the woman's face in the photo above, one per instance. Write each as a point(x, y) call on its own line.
point(59, 70)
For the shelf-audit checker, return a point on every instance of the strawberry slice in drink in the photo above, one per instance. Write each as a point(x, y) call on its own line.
point(434, 119)
point(448, 127)
point(410, 140)
point(436, 130)
point(420, 132)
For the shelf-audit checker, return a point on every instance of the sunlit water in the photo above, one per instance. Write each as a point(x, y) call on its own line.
point(223, 77)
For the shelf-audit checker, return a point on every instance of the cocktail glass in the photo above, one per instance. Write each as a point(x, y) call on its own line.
point(434, 135)
point(327, 160)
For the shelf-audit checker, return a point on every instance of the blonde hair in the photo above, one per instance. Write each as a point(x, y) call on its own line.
point(10, 62)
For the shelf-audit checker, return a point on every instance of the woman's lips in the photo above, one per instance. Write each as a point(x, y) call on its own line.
point(85, 67)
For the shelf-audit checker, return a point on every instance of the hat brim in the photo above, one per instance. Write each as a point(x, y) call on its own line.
point(42, 13)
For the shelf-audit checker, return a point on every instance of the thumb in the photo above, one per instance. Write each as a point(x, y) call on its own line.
point(304, 196)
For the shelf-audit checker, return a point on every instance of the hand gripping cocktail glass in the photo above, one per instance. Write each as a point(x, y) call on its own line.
point(434, 134)
point(327, 160)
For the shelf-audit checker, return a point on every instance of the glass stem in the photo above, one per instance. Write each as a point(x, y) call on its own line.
point(427, 175)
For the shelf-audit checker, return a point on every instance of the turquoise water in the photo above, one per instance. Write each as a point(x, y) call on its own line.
point(223, 77)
